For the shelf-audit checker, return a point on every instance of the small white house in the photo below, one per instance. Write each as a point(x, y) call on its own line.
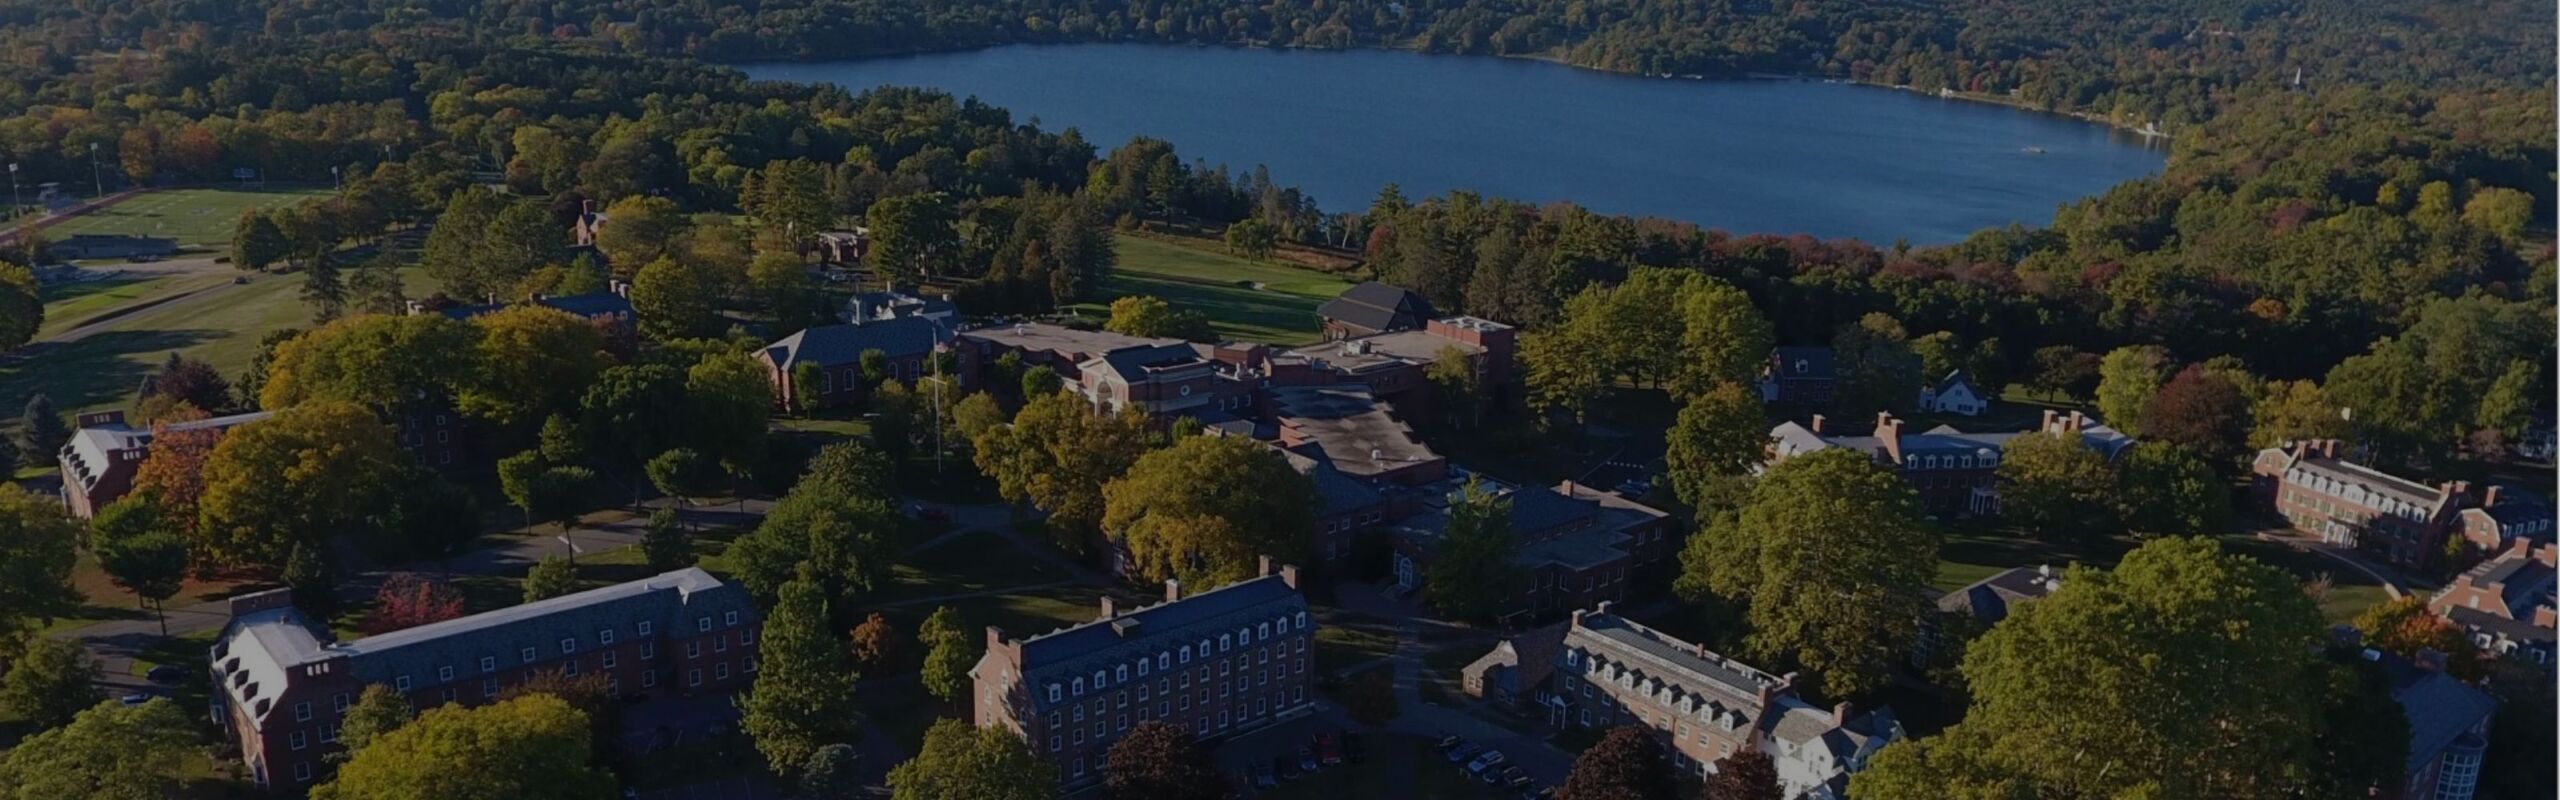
point(1953, 394)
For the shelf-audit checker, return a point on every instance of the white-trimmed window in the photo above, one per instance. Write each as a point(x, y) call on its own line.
point(648, 678)
point(648, 649)
point(301, 769)
point(302, 711)
point(488, 663)
point(339, 702)
point(297, 741)
point(604, 636)
point(608, 660)
point(693, 677)
point(444, 673)
point(528, 655)
point(703, 624)
point(729, 618)
point(569, 645)
point(720, 670)
point(645, 627)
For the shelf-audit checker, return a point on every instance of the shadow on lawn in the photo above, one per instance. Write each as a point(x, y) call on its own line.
point(92, 371)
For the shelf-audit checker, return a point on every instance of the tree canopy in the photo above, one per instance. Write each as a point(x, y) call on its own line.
point(535, 747)
point(1204, 509)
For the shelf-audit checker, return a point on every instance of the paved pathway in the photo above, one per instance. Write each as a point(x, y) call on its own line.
point(1530, 751)
point(2390, 582)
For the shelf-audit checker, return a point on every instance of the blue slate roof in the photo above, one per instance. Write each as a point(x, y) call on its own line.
point(839, 345)
point(2442, 710)
point(673, 603)
point(1061, 655)
point(1538, 508)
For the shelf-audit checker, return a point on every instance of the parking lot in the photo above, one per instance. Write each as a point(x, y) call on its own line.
point(1387, 764)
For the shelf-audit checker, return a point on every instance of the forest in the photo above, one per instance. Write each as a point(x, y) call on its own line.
point(2294, 226)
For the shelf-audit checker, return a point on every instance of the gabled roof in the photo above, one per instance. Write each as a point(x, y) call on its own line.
point(1063, 654)
point(838, 345)
point(1377, 307)
point(1335, 492)
point(1952, 380)
point(1990, 599)
point(2441, 710)
point(591, 304)
point(1139, 363)
point(1803, 362)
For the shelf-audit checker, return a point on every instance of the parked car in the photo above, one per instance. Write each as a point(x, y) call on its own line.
point(1536, 792)
point(1485, 761)
point(1262, 777)
point(1357, 746)
point(1286, 766)
point(166, 673)
point(1447, 742)
point(136, 698)
point(1517, 782)
point(1464, 751)
point(1501, 776)
point(1329, 749)
point(1307, 760)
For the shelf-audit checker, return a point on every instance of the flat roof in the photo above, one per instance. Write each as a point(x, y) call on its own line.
point(1352, 427)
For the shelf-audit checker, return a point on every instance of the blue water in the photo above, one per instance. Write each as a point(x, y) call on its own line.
point(1832, 160)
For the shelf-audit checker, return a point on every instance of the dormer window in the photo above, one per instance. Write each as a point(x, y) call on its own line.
point(1079, 687)
point(645, 627)
point(604, 636)
point(1098, 681)
point(1053, 697)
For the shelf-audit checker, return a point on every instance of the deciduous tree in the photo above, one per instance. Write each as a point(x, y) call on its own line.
point(550, 577)
point(51, 681)
point(731, 400)
point(1747, 774)
point(1723, 338)
point(831, 774)
point(1627, 764)
point(2165, 488)
point(1160, 761)
point(1456, 390)
point(314, 586)
point(1471, 574)
point(2293, 411)
point(1057, 455)
point(534, 747)
point(676, 299)
point(2201, 411)
point(803, 693)
point(21, 308)
point(1715, 443)
point(377, 712)
point(2057, 489)
point(1876, 367)
point(875, 644)
point(36, 557)
point(2050, 718)
point(375, 362)
point(311, 472)
point(914, 237)
point(2127, 378)
point(408, 600)
point(665, 543)
point(2404, 626)
point(639, 230)
point(532, 362)
point(141, 548)
point(109, 750)
point(1203, 509)
point(950, 651)
point(959, 762)
point(1836, 587)
point(256, 242)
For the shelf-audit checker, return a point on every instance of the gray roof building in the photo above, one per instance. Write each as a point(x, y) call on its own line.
point(1374, 307)
point(839, 345)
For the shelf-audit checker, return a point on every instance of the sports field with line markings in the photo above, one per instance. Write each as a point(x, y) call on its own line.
point(197, 217)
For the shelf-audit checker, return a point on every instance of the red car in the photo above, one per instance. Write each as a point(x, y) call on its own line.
point(1329, 748)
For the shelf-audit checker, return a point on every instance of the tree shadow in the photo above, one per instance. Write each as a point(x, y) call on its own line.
point(97, 370)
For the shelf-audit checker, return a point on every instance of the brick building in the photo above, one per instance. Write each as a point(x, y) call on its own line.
point(282, 685)
point(1576, 546)
point(2350, 504)
point(1952, 470)
point(907, 343)
point(1355, 433)
point(99, 462)
point(2505, 515)
point(2507, 603)
point(1600, 670)
point(1218, 662)
point(1393, 365)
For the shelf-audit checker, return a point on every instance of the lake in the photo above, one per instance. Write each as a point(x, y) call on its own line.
point(1762, 156)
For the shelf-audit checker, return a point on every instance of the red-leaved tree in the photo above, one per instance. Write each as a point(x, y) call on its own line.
point(408, 600)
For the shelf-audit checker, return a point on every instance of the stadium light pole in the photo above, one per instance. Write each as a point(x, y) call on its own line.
point(97, 180)
point(14, 202)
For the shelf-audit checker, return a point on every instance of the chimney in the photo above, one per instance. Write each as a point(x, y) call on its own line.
point(587, 206)
point(2047, 425)
point(1840, 713)
point(1172, 590)
point(2075, 423)
point(1602, 608)
point(1577, 617)
point(1889, 432)
point(1817, 423)
point(1566, 488)
point(2489, 496)
point(1262, 566)
point(995, 638)
point(2327, 448)
point(1110, 608)
point(1289, 575)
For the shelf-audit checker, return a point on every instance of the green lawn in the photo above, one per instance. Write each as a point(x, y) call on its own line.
point(1966, 557)
point(1346, 640)
point(101, 370)
point(1246, 300)
point(197, 217)
point(69, 304)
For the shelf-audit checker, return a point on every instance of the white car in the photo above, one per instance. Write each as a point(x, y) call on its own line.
point(1490, 759)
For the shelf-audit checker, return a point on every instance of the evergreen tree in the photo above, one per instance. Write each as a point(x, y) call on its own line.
point(41, 431)
point(323, 291)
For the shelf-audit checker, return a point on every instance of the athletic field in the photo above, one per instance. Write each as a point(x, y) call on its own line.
point(197, 217)
point(1268, 302)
